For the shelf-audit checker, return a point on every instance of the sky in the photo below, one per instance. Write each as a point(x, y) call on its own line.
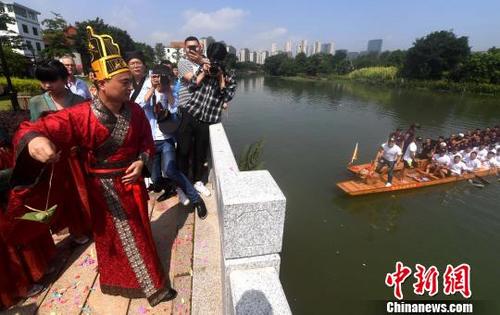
point(256, 24)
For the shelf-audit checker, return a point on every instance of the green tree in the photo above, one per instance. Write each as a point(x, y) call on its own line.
point(432, 56)
point(121, 37)
point(396, 58)
point(312, 64)
point(159, 52)
point(57, 43)
point(287, 67)
point(300, 62)
point(272, 64)
point(19, 65)
point(480, 67)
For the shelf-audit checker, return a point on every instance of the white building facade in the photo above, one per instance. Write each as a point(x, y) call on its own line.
point(26, 25)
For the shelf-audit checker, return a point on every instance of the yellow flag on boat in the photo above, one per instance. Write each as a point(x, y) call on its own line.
point(354, 154)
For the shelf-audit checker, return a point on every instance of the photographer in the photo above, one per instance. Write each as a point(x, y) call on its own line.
point(211, 87)
point(161, 112)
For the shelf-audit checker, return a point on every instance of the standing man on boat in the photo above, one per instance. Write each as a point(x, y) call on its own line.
point(410, 155)
point(388, 155)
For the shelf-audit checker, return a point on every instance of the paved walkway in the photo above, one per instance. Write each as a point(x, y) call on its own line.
point(74, 286)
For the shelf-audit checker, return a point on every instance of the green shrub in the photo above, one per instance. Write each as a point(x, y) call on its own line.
point(23, 86)
point(374, 74)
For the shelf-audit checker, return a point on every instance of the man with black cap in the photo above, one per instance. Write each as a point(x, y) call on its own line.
point(388, 155)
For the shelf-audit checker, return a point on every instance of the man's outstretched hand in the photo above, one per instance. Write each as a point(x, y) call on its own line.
point(43, 150)
point(133, 172)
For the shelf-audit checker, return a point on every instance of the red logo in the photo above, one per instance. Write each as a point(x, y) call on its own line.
point(455, 280)
point(397, 278)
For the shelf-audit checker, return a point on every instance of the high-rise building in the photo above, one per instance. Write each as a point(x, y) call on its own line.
point(263, 56)
point(288, 48)
point(274, 49)
point(26, 26)
point(253, 57)
point(309, 51)
point(244, 55)
point(231, 50)
point(328, 48)
point(316, 47)
point(374, 46)
point(302, 47)
point(352, 55)
point(205, 42)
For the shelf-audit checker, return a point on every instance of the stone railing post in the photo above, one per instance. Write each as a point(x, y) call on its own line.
point(251, 210)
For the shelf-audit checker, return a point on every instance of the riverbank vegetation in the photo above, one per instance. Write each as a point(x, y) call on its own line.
point(438, 61)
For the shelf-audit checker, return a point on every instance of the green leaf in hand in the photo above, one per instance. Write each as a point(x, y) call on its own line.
point(38, 215)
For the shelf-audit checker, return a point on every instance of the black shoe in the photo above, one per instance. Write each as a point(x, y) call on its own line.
point(154, 187)
point(200, 208)
point(169, 296)
point(167, 194)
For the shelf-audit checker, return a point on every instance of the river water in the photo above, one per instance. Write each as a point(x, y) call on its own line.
point(337, 250)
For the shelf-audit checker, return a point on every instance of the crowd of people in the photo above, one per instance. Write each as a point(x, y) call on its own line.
point(451, 156)
point(87, 149)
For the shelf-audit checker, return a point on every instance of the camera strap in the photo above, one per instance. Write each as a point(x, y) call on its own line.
point(137, 88)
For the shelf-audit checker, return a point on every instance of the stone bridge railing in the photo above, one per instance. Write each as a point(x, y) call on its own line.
point(251, 210)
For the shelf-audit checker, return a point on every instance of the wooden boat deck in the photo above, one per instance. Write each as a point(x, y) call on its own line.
point(413, 179)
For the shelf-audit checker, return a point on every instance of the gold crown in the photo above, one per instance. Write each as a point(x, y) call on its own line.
point(106, 60)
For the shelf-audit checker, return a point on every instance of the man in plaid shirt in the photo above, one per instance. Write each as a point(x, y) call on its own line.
point(212, 89)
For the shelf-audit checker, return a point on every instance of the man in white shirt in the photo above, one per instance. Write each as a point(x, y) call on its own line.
point(473, 162)
point(388, 155)
point(491, 161)
point(439, 164)
point(482, 152)
point(76, 85)
point(457, 167)
point(409, 158)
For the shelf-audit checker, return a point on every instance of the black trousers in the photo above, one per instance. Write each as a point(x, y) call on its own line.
point(193, 137)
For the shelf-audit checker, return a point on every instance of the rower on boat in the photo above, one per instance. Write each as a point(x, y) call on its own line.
point(388, 155)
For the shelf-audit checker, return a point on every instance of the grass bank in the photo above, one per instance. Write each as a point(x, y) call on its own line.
point(387, 77)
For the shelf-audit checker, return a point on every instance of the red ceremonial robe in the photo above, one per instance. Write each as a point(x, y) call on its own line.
point(126, 253)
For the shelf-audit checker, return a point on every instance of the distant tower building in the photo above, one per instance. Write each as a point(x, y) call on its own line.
point(244, 55)
point(310, 49)
point(206, 41)
point(328, 48)
point(253, 57)
point(374, 46)
point(288, 48)
point(231, 50)
point(263, 56)
point(274, 49)
point(352, 55)
point(316, 47)
point(302, 47)
point(26, 26)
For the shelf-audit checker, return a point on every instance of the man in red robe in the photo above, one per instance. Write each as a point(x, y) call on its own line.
point(115, 137)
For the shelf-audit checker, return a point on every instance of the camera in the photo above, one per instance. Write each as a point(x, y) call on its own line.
point(215, 67)
point(216, 53)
